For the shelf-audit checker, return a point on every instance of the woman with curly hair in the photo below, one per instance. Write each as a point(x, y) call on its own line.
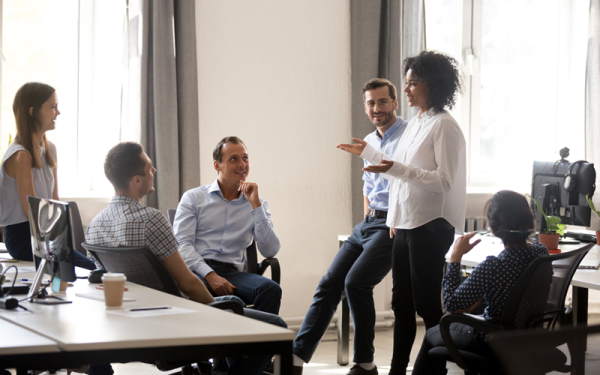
point(427, 195)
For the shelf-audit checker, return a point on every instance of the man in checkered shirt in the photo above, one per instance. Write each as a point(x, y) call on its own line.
point(125, 222)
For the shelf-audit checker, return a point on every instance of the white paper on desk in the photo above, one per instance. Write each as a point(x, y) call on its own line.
point(151, 313)
point(99, 296)
point(3, 248)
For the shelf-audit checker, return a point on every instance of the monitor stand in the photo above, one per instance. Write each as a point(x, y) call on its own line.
point(35, 289)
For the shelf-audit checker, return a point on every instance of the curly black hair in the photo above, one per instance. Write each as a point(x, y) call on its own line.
point(510, 217)
point(442, 75)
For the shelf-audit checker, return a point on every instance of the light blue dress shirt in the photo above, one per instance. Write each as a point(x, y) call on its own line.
point(376, 187)
point(208, 226)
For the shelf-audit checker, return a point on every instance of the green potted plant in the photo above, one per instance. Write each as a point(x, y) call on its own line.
point(593, 208)
point(554, 229)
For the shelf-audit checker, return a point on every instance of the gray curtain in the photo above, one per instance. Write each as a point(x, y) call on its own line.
point(383, 33)
point(169, 104)
point(413, 41)
point(592, 97)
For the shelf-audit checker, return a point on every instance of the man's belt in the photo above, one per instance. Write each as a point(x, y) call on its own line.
point(212, 262)
point(377, 213)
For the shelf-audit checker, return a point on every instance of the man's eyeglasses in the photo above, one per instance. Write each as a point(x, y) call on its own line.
point(382, 103)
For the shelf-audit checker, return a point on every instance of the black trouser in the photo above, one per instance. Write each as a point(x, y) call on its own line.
point(417, 268)
point(465, 337)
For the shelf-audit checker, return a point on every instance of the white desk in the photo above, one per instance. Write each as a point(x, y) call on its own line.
point(16, 340)
point(87, 333)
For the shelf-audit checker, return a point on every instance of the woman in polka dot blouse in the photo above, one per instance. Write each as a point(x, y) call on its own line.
point(510, 219)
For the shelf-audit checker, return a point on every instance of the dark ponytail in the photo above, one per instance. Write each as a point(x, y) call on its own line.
point(510, 217)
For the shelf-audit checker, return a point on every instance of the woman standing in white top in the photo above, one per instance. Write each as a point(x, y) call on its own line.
point(29, 167)
point(427, 196)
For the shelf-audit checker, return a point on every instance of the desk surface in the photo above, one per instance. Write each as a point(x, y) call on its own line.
point(18, 340)
point(86, 324)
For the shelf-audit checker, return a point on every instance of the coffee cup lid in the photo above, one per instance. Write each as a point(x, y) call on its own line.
point(113, 276)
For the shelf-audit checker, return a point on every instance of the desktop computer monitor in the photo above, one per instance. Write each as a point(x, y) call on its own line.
point(51, 239)
point(560, 188)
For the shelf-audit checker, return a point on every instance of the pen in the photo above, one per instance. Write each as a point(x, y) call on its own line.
point(151, 308)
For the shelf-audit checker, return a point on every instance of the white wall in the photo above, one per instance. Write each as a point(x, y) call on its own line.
point(277, 74)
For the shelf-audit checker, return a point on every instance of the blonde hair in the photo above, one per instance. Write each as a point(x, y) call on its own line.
point(32, 95)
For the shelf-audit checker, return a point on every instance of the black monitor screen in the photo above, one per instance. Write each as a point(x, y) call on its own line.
point(51, 239)
point(548, 189)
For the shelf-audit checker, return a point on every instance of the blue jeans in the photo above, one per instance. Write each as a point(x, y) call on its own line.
point(18, 244)
point(253, 289)
point(361, 263)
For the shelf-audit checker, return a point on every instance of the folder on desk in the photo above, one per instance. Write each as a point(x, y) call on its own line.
point(586, 264)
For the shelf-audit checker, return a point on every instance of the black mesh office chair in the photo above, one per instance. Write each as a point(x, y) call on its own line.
point(142, 267)
point(252, 264)
point(536, 300)
point(527, 352)
point(77, 228)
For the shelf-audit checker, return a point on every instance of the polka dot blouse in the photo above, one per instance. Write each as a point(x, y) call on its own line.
point(493, 280)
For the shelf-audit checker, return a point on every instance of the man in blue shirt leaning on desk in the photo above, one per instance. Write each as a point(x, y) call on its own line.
point(215, 223)
point(366, 257)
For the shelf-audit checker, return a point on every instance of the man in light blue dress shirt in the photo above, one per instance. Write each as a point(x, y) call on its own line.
point(215, 223)
point(366, 257)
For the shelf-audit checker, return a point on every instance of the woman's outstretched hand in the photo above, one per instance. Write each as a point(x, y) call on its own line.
point(355, 149)
point(382, 168)
point(462, 246)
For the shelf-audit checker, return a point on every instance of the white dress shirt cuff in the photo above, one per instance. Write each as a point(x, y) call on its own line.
point(203, 269)
point(259, 213)
point(398, 170)
point(371, 155)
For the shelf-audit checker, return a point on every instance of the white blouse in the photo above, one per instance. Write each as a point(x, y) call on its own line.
point(429, 176)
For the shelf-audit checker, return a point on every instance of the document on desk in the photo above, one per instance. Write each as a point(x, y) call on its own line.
point(99, 296)
point(147, 312)
point(3, 248)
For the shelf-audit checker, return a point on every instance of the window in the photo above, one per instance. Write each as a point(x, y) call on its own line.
point(524, 67)
point(74, 46)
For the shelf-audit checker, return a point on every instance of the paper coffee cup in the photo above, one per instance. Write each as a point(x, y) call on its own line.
point(114, 286)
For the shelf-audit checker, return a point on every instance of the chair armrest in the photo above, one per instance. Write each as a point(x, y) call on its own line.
point(275, 268)
point(471, 320)
point(234, 306)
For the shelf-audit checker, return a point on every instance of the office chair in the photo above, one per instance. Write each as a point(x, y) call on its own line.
point(77, 228)
point(536, 300)
point(142, 267)
point(526, 352)
point(252, 264)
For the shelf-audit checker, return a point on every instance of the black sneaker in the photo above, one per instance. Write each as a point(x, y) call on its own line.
point(358, 370)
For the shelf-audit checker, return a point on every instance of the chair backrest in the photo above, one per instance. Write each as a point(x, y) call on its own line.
point(77, 228)
point(171, 213)
point(525, 352)
point(139, 265)
point(542, 289)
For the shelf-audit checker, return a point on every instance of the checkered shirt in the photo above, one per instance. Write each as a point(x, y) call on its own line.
point(127, 223)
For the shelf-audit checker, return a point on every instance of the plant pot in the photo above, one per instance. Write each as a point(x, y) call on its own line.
point(598, 237)
point(549, 240)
